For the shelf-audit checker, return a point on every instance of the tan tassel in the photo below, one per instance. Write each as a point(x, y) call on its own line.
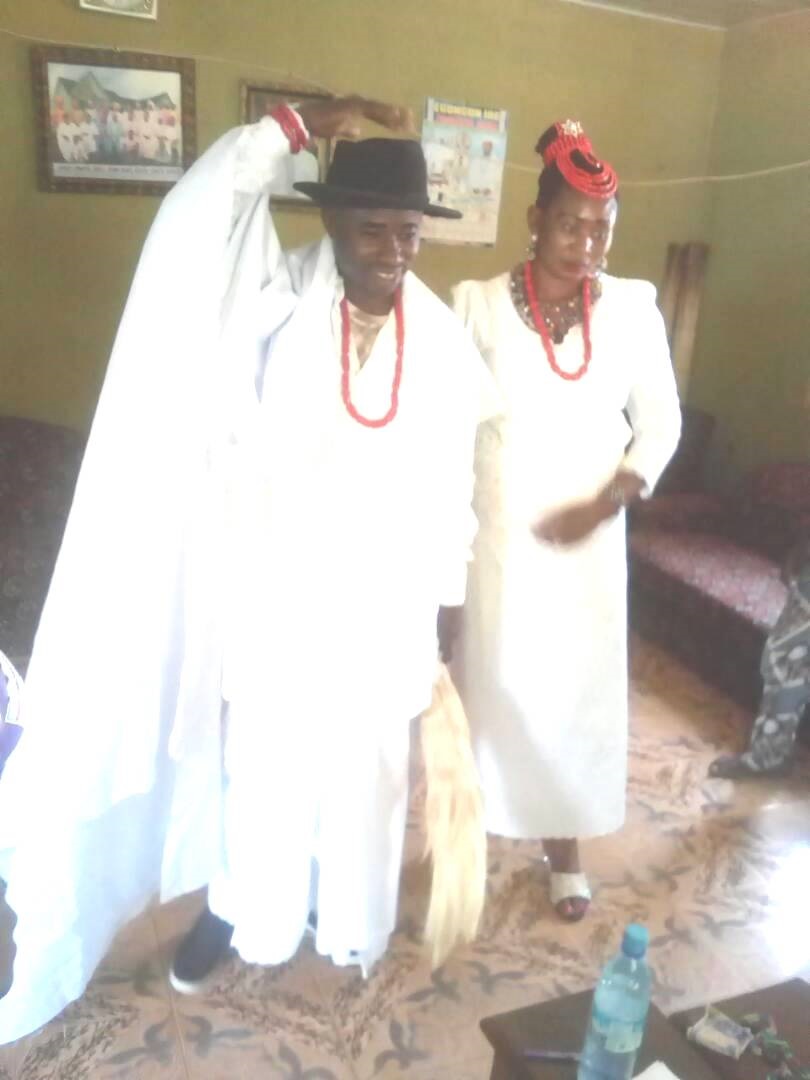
point(454, 822)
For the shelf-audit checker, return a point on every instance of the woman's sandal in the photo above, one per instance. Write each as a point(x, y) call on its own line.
point(570, 895)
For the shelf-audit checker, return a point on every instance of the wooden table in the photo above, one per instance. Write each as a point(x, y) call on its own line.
point(560, 1025)
point(788, 1004)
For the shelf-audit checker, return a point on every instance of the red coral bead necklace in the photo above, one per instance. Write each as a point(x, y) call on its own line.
point(345, 381)
point(542, 329)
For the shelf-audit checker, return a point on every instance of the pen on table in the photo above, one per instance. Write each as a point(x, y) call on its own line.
point(550, 1055)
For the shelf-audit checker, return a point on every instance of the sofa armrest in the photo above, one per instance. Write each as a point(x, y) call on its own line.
point(684, 513)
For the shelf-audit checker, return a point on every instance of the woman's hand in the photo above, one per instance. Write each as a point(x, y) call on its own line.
point(339, 118)
point(575, 523)
point(572, 524)
point(624, 488)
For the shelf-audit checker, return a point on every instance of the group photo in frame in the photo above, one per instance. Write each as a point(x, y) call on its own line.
point(136, 9)
point(110, 121)
point(311, 163)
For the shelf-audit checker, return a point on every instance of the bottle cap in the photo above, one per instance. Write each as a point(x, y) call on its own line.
point(635, 941)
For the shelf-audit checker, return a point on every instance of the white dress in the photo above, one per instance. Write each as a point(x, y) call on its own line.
point(236, 535)
point(543, 665)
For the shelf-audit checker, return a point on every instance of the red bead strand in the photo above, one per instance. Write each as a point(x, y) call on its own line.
point(345, 382)
point(542, 329)
point(292, 127)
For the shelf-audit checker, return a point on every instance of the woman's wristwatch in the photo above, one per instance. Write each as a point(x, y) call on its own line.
point(615, 494)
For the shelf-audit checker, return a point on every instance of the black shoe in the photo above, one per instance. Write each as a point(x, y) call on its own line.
point(203, 948)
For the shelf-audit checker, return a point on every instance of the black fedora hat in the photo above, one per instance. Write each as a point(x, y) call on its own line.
point(390, 174)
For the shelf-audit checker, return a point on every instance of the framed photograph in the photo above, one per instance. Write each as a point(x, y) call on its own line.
point(311, 163)
point(110, 121)
point(138, 9)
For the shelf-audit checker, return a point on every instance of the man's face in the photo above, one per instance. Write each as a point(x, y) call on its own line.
point(574, 233)
point(373, 249)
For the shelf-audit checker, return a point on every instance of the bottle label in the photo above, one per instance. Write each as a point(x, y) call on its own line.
point(621, 1036)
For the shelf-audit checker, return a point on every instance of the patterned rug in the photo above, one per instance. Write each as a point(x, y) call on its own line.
point(716, 870)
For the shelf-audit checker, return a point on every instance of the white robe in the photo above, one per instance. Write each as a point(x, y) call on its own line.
point(297, 168)
point(230, 518)
point(65, 133)
point(146, 130)
point(543, 665)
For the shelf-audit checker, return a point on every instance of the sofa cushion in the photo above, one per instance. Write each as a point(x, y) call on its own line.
point(767, 528)
point(38, 467)
point(700, 564)
point(782, 483)
point(685, 470)
point(695, 511)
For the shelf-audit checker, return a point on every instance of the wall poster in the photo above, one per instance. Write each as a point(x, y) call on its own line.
point(465, 149)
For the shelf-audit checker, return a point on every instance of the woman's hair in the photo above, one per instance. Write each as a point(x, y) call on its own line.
point(569, 161)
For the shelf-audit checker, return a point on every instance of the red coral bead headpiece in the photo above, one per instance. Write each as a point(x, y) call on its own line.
point(573, 155)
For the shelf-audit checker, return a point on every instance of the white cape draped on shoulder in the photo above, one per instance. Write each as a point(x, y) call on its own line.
point(85, 800)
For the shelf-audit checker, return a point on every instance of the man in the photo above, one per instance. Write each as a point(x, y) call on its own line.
point(88, 127)
point(81, 151)
point(147, 133)
point(115, 130)
point(273, 510)
point(786, 679)
point(485, 171)
point(58, 111)
point(65, 137)
point(173, 131)
point(126, 136)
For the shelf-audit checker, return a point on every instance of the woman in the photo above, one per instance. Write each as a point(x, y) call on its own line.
point(544, 660)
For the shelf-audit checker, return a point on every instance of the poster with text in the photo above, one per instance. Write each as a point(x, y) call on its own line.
point(465, 149)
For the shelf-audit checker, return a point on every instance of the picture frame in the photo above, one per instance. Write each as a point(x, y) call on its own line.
point(256, 100)
point(112, 122)
point(135, 9)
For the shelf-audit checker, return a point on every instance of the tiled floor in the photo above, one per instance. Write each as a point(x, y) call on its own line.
point(718, 872)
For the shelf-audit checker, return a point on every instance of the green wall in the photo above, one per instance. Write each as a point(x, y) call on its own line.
point(752, 361)
point(646, 91)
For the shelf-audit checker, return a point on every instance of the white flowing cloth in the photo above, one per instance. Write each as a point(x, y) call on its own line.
point(235, 534)
point(543, 667)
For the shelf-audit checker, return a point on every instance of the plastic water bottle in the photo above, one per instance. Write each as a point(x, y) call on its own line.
point(619, 1012)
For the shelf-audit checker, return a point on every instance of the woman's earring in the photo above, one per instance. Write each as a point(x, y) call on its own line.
point(531, 247)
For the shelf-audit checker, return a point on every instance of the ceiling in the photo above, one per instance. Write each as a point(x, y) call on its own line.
point(708, 12)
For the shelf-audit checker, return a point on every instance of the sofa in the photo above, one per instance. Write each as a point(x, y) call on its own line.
point(705, 571)
point(39, 464)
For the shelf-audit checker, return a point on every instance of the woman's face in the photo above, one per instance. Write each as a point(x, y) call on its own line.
point(574, 234)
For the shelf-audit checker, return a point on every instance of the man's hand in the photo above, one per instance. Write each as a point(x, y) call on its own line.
point(448, 627)
point(339, 118)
